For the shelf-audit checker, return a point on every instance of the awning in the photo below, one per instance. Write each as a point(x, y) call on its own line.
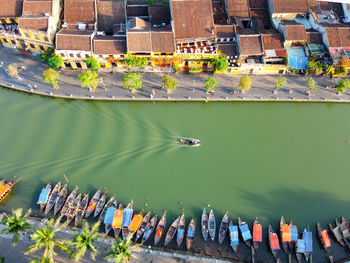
point(316, 49)
point(297, 58)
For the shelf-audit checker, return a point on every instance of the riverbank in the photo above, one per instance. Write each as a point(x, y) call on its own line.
point(190, 88)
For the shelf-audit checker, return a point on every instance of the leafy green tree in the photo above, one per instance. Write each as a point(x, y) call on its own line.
point(312, 84)
point(314, 66)
point(46, 54)
point(169, 83)
point(210, 83)
point(84, 241)
point(220, 63)
point(281, 81)
point(245, 83)
point(13, 70)
point(329, 70)
point(55, 61)
point(92, 63)
point(136, 61)
point(51, 76)
point(16, 224)
point(89, 79)
point(122, 250)
point(132, 81)
point(46, 238)
point(343, 85)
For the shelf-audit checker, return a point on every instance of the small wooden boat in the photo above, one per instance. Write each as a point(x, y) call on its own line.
point(293, 235)
point(307, 236)
point(160, 229)
point(223, 228)
point(180, 230)
point(5, 188)
point(274, 243)
point(234, 239)
point(117, 220)
point(135, 223)
point(344, 229)
point(285, 234)
point(324, 238)
point(43, 197)
point(80, 211)
point(245, 232)
point(337, 234)
point(100, 204)
point(149, 229)
point(108, 219)
point(71, 210)
point(190, 141)
point(69, 201)
point(191, 230)
point(171, 231)
point(204, 223)
point(60, 200)
point(300, 249)
point(257, 234)
point(212, 225)
point(93, 202)
point(127, 216)
point(53, 196)
point(143, 225)
point(104, 209)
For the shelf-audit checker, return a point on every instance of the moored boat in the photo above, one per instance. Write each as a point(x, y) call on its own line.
point(5, 188)
point(257, 234)
point(43, 196)
point(285, 234)
point(344, 228)
point(135, 223)
point(80, 211)
point(300, 249)
point(223, 228)
point(149, 229)
point(293, 235)
point(324, 238)
point(143, 225)
point(273, 241)
point(234, 239)
point(69, 202)
point(117, 220)
point(212, 225)
point(93, 202)
point(60, 200)
point(100, 204)
point(307, 236)
point(127, 216)
point(245, 232)
point(71, 210)
point(204, 224)
point(171, 231)
point(191, 230)
point(104, 209)
point(337, 234)
point(108, 219)
point(180, 230)
point(160, 229)
point(52, 198)
point(190, 141)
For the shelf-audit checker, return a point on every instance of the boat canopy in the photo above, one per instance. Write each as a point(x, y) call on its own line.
point(275, 245)
point(337, 233)
point(92, 205)
point(233, 235)
point(180, 233)
point(325, 238)
point(257, 233)
point(159, 232)
point(293, 233)
point(245, 232)
point(190, 231)
point(44, 195)
point(3, 189)
point(147, 232)
point(286, 237)
point(109, 215)
point(118, 218)
point(127, 215)
point(135, 223)
point(300, 246)
point(307, 236)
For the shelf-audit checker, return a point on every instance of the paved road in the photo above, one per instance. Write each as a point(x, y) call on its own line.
point(191, 86)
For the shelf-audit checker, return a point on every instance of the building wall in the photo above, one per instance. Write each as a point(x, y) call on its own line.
point(74, 55)
point(346, 13)
point(320, 29)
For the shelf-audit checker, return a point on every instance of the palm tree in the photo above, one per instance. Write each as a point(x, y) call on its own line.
point(45, 238)
point(122, 250)
point(84, 240)
point(16, 223)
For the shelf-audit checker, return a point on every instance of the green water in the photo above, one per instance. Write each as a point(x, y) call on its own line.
point(257, 159)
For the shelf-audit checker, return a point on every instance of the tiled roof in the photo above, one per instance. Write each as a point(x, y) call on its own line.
point(272, 41)
point(313, 37)
point(258, 4)
point(79, 11)
point(262, 14)
point(34, 22)
point(10, 8)
point(162, 41)
point(193, 19)
point(224, 31)
point(109, 45)
point(37, 7)
point(250, 45)
point(294, 30)
point(137, 22)
point(139, 40)
point(110, 12)
point(228, 49)
point(238, 8)
point(290, 6)
point(338, 36)
point(159, 15)
point(73, 40)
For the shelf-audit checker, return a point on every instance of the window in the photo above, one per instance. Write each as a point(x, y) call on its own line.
point(87, 56)
point(71, 55)
point(46, 39)
point(63, 55)
point(4, 40)
point(79, 55)
point(41, 48)
point(26, 34)
point(13, 42)
point(37, 37)
point(3, 21)
point(32, 46)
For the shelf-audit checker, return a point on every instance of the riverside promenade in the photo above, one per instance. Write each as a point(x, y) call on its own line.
point(190, 86)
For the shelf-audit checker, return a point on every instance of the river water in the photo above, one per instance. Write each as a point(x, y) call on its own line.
point(257, 159)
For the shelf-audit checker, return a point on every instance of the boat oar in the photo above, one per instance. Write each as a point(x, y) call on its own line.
point(65, 177)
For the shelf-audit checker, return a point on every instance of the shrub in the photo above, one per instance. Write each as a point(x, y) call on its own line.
point(343, 85)
point(210, 83)
point(314, 66)
point(169, 83)
point(92, 63)
point(220, 63)
point(135, 61)
point(46, 54)
point(55, 61)
point(245, 83)
point(194, 70)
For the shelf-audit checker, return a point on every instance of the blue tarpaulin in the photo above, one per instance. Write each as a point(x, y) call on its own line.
point(127, 215)
point(190, 232)
point(307, 236)
point(109, 215)
point(147, 232)
point(296, 62)
point(294, 233)
point(245, 232)
point(233, 235)
point(180, 233)
point(300, 246)
point(44, 194)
